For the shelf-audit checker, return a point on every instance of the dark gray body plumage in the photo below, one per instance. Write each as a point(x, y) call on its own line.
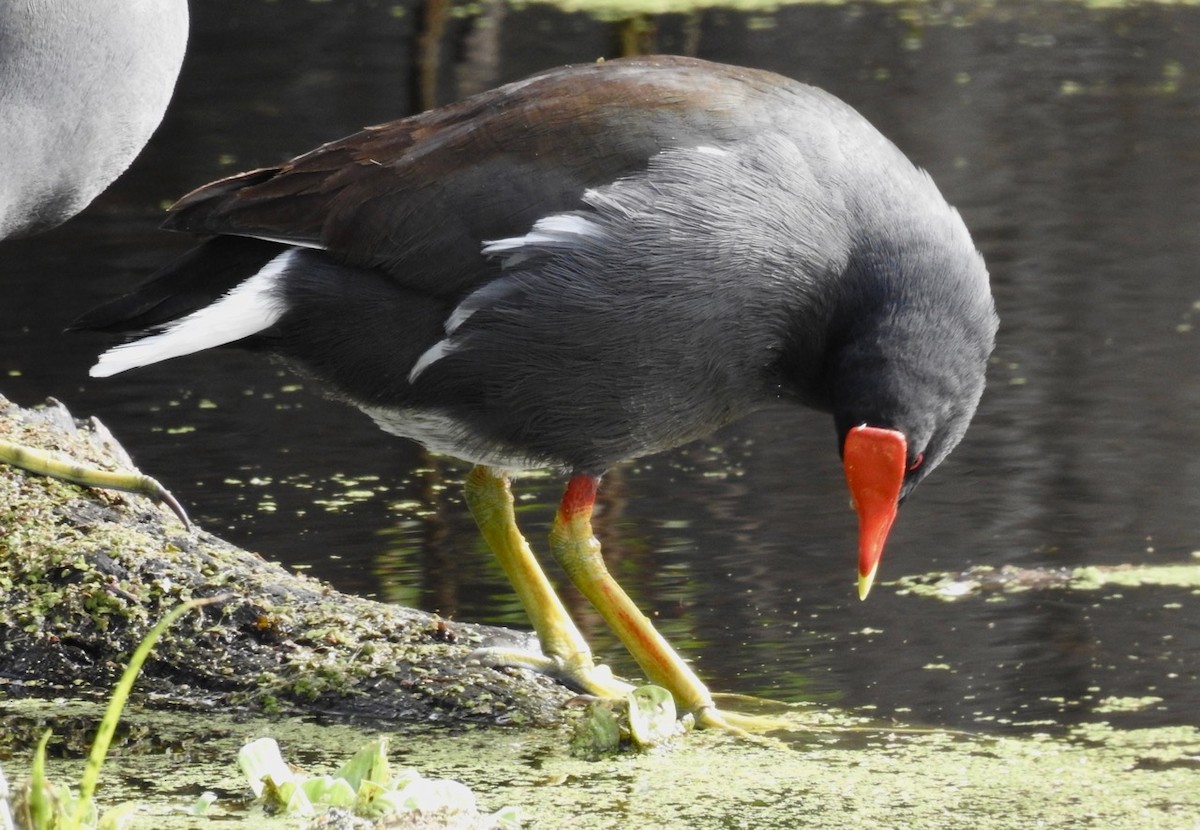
point(603, 262)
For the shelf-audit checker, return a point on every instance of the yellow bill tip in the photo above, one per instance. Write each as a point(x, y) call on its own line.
point(865, 581)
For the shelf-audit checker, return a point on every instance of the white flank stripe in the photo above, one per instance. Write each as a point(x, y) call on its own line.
point(249, 308)
point(477, 299)
point(554, 230)
point(431, 355)
point(316, 246)
point(459, 316)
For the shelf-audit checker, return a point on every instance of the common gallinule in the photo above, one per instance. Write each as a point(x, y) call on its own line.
point(83, 85)
point(594, 264)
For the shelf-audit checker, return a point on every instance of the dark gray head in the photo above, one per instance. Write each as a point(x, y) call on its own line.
point(913, 350)
point(906, 362)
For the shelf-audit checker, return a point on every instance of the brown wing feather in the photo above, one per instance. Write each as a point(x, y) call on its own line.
point(432, 187)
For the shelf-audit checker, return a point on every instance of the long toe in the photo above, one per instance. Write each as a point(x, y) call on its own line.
point(738, 723)
point(582, 674)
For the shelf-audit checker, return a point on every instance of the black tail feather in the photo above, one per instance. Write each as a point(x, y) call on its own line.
point(195, 280)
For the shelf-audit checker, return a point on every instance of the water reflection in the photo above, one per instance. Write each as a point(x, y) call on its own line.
point(1067, 136)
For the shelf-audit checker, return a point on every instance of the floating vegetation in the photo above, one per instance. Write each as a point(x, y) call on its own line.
point(366, 786)
point(1008, 579)
point(643, 719)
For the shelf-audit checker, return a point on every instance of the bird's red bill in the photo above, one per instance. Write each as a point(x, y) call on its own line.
point(875, 460)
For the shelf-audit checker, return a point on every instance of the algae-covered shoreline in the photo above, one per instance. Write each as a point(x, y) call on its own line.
point(834, 771)
point(86, 573)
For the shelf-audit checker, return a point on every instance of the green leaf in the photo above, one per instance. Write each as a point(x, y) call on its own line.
point(368, 764)
point(651, 715)
point(260, 761)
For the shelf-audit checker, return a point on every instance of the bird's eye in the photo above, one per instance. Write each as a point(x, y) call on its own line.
point(917, 462)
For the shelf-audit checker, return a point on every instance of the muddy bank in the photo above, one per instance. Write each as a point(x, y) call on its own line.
point(85, 573)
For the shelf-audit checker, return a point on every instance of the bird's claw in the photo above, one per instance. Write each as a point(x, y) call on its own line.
point(156, 492)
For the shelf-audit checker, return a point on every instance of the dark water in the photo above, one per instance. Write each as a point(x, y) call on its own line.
point(1070, 140)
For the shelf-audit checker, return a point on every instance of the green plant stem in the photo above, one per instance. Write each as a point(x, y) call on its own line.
point(112, 715)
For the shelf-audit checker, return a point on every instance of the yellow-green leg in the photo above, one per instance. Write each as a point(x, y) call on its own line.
point(50, 464)
point(578, 552)
point(565, 653)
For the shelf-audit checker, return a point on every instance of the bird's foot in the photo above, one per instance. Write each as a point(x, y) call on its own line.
point(578, 671)
point(53, 465)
